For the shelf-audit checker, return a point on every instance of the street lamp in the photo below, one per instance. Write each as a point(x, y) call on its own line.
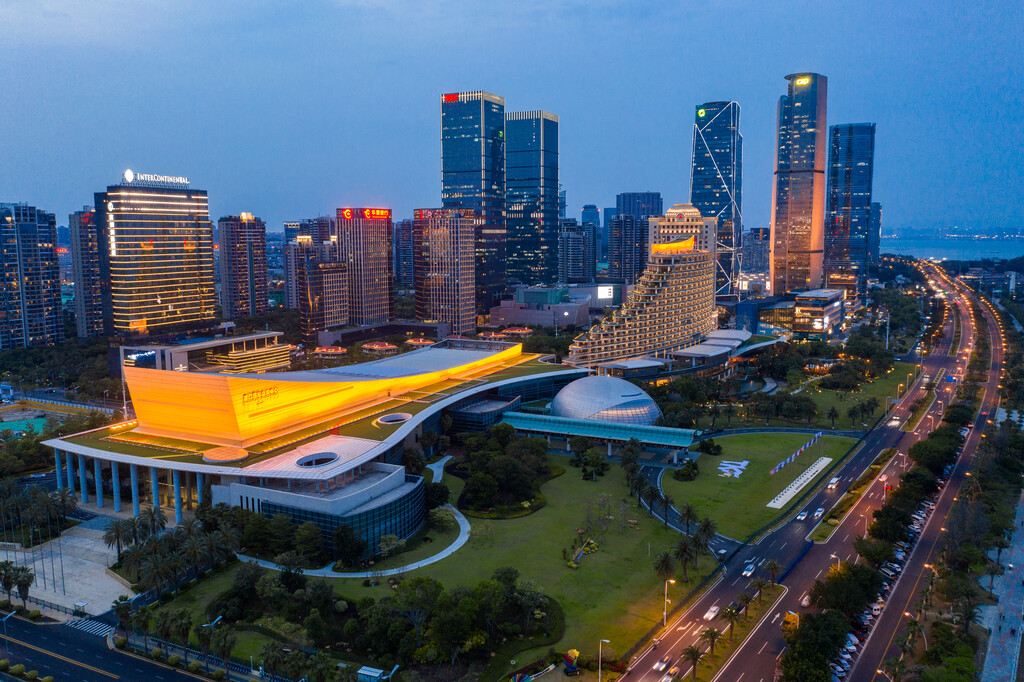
point(7, 642)
point(600, 652)
point(882, 673)
point(664, 617)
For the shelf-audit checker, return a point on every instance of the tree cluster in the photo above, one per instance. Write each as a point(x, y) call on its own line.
point(501, 469)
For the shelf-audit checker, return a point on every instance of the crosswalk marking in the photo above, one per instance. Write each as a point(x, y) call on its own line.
point(93, 627)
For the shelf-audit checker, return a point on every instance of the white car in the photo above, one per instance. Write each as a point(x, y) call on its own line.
point(662, 663)
point(818, 512)
point(749, 570)
point(711, 613)
point(802, 516)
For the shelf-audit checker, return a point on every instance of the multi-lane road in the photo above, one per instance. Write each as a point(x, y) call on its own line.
point(757, 658)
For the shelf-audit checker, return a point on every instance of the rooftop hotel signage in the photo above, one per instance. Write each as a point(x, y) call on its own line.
point(130, 177)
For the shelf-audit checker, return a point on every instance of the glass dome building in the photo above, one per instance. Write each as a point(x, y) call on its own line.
point(606, 399)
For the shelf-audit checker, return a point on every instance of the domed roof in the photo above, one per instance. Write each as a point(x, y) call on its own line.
point(606, 399)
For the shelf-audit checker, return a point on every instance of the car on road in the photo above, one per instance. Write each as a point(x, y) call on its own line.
point(806, 601)
point(711, 613)
point(673, 674)
point(662, 663)
point(818, 512)
point(749, 570)
point(802, 516)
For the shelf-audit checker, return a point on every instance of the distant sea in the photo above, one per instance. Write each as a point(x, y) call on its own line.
point(954, 249)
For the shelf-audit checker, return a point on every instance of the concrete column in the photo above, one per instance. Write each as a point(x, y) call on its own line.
point(188, 491)
point(71, 472)
point(81, 478)
point(134, 469)
point(115, 479)
point(176, 478)
point(154, 486)
point(609, 448)
point(58, 469)
point(99, 481)
point(199, 487)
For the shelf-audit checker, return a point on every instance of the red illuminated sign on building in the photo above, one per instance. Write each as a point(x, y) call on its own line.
point(452, 98)
point(366, 213)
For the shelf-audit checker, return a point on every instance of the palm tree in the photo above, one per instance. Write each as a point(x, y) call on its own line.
point(223, 643)
point(684, 552)
point(666, 502)
point(853, 412)
point(203, 638)
point(154, 573)
point(705, 533)
point(693, 654)
point(1001, 544)
point(896, 668)
point(833, 415)
point(182, 628)
point(132, 560)
point(163, 625)
point(759, 584)
point(992, 569)
point(664, 566)
point(637, 484)
point(744, 600)
point(117, 533)
point(914, 630)
point(122, 608)
point(23, 580)
point(190, 527)
point(872, 405)
point(714, 412)
point(272, 657)
point(140, 621)
point(968, 609)
point(154, 519)
point(688, 515)
point(137, 528)
point(195, 552)
point(66, 502)
point(730, 410)
point(7, 576)
point(321, 668)
point(711, 636)
point(731, 614)
point(650, 494)
point(773, 567)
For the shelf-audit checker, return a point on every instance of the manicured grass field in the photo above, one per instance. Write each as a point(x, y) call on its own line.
point(737, 505)
point(418, 548)
point(844, 400)
point(614, 594)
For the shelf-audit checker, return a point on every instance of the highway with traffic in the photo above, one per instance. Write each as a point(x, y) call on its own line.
point(756, 660)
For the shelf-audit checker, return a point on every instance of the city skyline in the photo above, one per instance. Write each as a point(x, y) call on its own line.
point(380, 148)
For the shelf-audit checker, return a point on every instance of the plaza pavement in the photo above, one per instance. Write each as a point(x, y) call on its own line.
point(1004, 647)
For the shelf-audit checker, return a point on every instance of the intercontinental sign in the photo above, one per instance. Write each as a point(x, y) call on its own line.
point(131, 178)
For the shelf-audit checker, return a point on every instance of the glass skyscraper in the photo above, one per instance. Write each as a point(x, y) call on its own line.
point(798, 196)
point(85, 263)
point(243, 265)
point(848, 218)
point(443, 269)
point(640, 205)
point(364, 246)
point(531, 196)
point(473, 177)
point(716, 180)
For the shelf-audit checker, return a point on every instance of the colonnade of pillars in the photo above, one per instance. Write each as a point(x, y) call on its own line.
point(66, 464)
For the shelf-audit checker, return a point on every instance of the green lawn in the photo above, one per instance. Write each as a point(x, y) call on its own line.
point(737, 505)
point(614, 594)
point(418, 548)
point(843, 400)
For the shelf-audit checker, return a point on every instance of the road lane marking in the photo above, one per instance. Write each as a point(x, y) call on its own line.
point(59, 657)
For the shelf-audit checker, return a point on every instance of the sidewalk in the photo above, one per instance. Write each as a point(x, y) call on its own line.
point(1004, 648)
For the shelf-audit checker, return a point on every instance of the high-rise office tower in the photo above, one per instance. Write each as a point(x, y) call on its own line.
point(756, 249)
point(608, 213)
point(577, 252)
point(294, 254)
point(590, 214)
point(323, 294)
point(243, 265)
point(444, 269)
point(30, 305)
point(874, 232)
point(848, 214)
point(473, 177)
point(798, 196)
point(640, 205)
point(85, 264)
point(291, 230)
point(716, 180)
point(627, 248)
point(531, 196)
point(364, 245)
point(156, 256)
point(404, 254)
point(562, 206)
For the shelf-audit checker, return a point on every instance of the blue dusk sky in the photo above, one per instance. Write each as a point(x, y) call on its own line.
point(292, 109)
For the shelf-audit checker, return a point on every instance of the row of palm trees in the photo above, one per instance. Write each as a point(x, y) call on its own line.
point(156, 558)
point(26, 510)
point(732, 615)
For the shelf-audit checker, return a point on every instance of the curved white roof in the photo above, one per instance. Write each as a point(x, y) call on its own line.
point(605, 398)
